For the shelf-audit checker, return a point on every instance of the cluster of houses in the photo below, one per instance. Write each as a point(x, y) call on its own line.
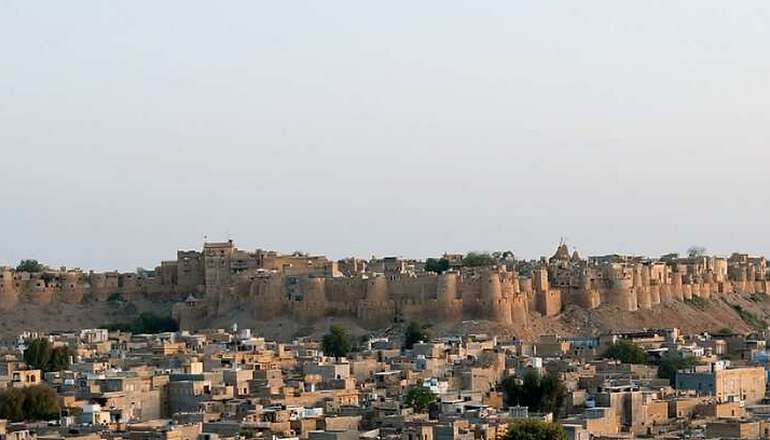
point(232, 384)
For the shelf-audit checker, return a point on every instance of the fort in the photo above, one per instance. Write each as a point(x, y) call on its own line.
point(214, 281)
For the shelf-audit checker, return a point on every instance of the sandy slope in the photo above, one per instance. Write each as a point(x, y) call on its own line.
point(695, 316)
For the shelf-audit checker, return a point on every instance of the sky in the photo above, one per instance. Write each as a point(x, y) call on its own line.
point(131, 129)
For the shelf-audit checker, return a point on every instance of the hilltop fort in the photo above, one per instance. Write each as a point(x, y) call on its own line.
point(220, 278)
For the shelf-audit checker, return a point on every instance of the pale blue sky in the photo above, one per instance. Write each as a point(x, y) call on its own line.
point(130, 129)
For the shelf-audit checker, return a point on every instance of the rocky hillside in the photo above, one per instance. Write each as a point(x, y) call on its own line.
point(739, 312)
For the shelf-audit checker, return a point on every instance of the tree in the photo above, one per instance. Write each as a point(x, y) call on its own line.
point(146, 322)
point(41, 355)
point(40, 403)
point(115, 298)
point(419, 398)
point(60, 359)
point(38, 354)
point(437, 265)
point(415, 332)
point(696, 251)
point(670, 365)
point(536, 392)
point(478, 259)
point(626, 352)
point(29, 266)
point(554, 392)
point(29, 403)
point(532, 429)
point(503, 255)
point(12, 404)
point(337, 342)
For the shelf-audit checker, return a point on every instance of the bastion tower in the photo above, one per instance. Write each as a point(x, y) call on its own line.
point(494, 305)
point(375, 309)
point(9, 295)
point(450, 307)
point(622, 293)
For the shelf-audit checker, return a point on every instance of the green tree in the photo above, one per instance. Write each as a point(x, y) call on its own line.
point(40, 403)
point(554, 392)
point(419, 398)
point(626, 352)
point(532, 429)
point(337, 342)
point(30, 403)
point(669, 366)
point(478, 259)
point(41, 355)
point(38, 354)
point(415, 332)
point(30, 266)
point(146, 322)
point(437, 265)
point(60, 359)
point(536, 392)
point(696, 251)
point(12, 404)
point(115, 298)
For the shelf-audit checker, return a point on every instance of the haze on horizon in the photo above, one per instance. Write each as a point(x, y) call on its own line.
point(131, 129)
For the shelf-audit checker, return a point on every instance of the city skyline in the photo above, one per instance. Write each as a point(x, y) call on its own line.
point(701, 250)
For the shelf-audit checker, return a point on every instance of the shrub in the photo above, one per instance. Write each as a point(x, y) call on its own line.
point(337, 342)
point(30, 403)
point(30, 266)
point(750, 318)
point(532, 429)
point(115, 298)
point(146, 322)
point(437, 265)
point(415, 332)
point(626, 352)
point(697, 302)
point(669, 366)
point(419, 398)
point(41, 355)
point(478, 259)
point(538, 393)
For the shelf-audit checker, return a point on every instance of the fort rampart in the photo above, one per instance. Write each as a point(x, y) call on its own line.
point(211, 283)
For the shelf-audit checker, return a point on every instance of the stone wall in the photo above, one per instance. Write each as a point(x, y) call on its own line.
point(220, 278)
